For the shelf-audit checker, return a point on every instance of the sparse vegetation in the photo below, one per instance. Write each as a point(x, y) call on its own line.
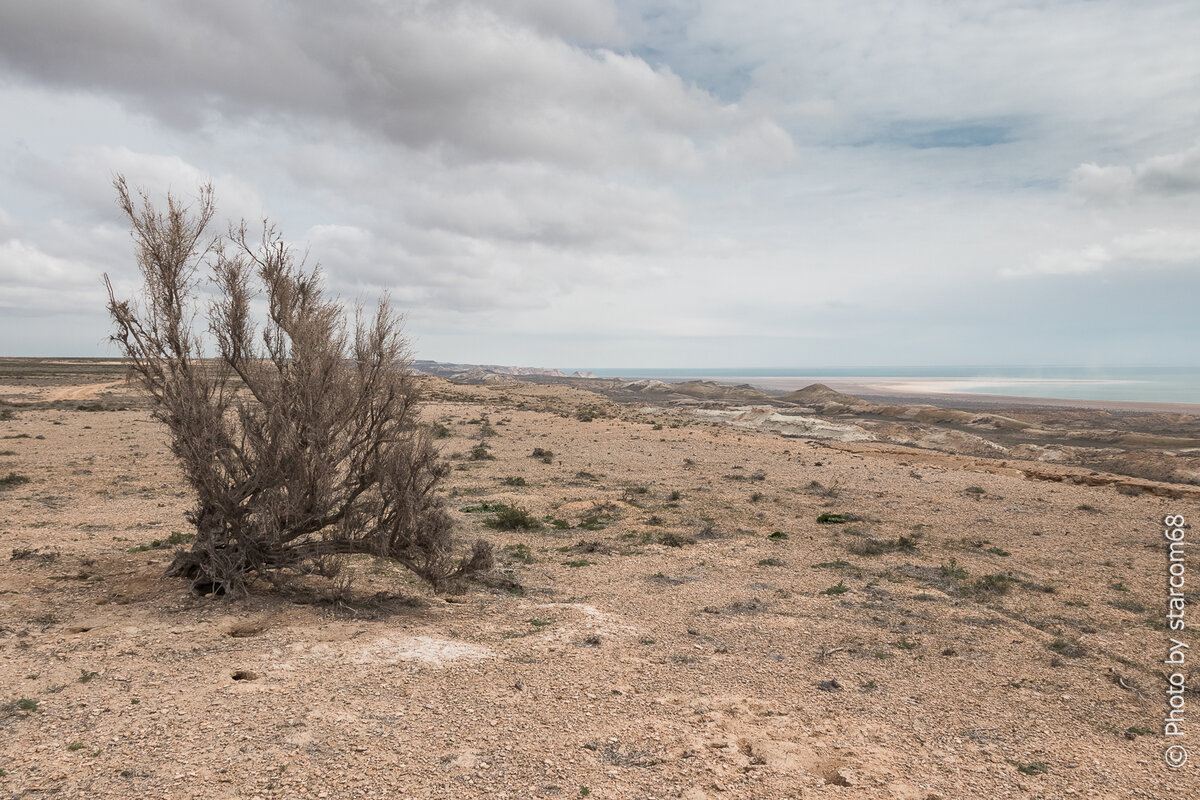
point(519, 552)
point(837, 589)
point(176, 538)
point(953, 571)
point(873, 547)
point(13, 480)
point(987, 585)
point(1068, 648)
point(513, 518)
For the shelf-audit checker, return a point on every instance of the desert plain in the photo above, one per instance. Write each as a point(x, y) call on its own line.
point(713, 593)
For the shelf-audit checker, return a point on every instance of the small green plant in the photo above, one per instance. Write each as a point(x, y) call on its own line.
point(545, 455)
point(86, 676)
point(13, 480)
point(578, 562)
point(831, 492)
point(514, 481)
point(1033, 768)
point(27, 704)
point(539, 623)
point(999, 551)
point(839, 564)
point(831, 518)
point(953, 571)
point(675, 540)
point(991, 585)
point(519, 552)
point(975, 490)
point(513, 518)
point(904, 643)
point(838, 588)
point(176, 538)
point(439, 431)
point(756, 497)
point(73, 746)
point(483, 508)
point(771, 562)
point(1087, 508)
point(674, 496)
point(584, 475)
point(875, 547)
point(1068, 648)
point(778, 536)
point(560, 524)
point(1130, 605)
point(481, 453)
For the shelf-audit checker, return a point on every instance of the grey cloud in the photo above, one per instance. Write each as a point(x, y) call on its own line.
point(457, 76)
point(1159, 176)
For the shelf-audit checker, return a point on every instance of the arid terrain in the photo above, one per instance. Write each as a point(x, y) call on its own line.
point(714, 593)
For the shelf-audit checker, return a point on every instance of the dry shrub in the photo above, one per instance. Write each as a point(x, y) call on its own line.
point(300, 439)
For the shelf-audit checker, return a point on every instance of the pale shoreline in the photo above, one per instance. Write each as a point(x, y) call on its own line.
point(925, 391)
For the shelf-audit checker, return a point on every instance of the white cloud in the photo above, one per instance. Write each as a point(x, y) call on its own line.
point(1150, 247)
point(1063, 262)
point(84, 177)
point(1160, 176)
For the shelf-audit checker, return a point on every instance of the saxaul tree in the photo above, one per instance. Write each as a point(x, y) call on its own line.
point(298, 432)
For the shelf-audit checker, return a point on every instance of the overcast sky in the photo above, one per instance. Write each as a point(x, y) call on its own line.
point(613, 183)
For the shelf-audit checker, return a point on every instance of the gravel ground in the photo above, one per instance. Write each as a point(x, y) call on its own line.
point(679, 626)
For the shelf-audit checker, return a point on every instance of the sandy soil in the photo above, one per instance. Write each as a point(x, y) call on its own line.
point(977, 632)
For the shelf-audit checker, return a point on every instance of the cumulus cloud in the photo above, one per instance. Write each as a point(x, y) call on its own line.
point(1160, 176)
point(1151, 247)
